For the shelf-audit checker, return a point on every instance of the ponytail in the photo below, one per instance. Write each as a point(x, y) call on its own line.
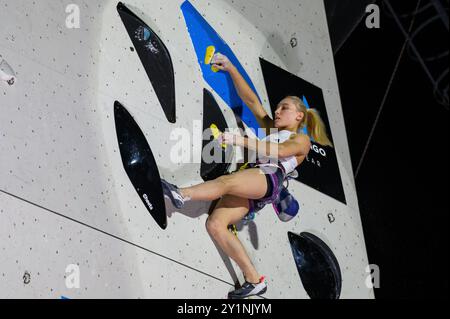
point(316, 127)
point(313, 122)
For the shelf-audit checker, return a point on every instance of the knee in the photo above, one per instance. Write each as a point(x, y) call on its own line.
point(215, 227)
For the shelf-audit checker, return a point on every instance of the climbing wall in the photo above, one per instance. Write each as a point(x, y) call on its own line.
point(65, 199)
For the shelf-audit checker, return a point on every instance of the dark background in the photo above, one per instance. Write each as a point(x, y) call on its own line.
point(402, 183)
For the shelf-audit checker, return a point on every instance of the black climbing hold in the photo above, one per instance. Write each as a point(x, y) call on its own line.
point(155, 58)
point(317, 266)
point(140, 165)
point(212, 114)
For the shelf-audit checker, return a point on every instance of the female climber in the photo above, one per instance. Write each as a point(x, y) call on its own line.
point(242, 191)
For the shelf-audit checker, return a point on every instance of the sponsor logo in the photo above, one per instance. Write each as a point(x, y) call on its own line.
point(149, 204)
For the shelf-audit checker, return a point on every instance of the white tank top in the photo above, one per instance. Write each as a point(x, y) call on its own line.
point(289, 163)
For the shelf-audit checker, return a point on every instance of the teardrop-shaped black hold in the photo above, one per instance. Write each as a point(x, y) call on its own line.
point(317, 266)
point(140, 165)
point(155, 58)
point(212, 114)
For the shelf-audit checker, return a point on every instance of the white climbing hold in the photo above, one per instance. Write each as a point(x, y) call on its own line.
point(7, 73)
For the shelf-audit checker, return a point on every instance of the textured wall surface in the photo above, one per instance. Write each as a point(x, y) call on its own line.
point(64, 195)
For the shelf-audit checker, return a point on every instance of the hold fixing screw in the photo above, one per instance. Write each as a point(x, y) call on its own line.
point(26, 278)
point(331, 218)
point(294, 42)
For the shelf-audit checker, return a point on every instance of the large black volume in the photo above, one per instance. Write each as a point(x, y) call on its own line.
point(154, 57)
point(317, 266)
point(140, 165)
point(212, 114)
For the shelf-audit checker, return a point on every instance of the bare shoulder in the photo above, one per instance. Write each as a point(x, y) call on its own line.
point(301, 138)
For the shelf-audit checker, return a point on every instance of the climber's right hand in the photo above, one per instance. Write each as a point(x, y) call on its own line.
point(221, 62)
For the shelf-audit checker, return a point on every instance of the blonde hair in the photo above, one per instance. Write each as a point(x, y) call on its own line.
point(312, 121)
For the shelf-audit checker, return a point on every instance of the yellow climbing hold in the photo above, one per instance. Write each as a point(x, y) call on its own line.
point(244, 166)
point(209, 54)
point(234, 230)
point(210, 51)
point(214, 69)
point(216, 133)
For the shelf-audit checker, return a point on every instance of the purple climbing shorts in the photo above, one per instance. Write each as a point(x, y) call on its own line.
point(275, 176)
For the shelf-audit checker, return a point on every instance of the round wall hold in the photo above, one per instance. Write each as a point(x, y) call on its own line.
point(317, 266)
